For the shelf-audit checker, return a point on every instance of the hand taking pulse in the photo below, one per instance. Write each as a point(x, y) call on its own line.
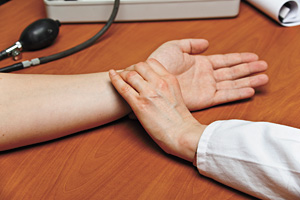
point(215, 79)
point(155, 97)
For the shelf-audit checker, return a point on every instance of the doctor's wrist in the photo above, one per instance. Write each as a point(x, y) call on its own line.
point(188, 141)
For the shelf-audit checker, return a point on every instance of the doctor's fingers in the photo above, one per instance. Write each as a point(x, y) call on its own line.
point(135, 80)
point(154, 85)
point(149, 70)
point(123, 88)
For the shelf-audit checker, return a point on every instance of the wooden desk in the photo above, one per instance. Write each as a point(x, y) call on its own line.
point(119, 160)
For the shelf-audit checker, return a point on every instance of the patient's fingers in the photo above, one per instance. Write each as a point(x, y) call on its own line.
point(228, 60)
point(225, 96)
point(239, 71)
point(253, 81)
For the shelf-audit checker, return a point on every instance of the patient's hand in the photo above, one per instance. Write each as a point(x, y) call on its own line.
point(210, 80)
point(155, 97)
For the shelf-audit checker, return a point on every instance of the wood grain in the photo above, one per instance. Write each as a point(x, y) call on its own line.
point(119, 160)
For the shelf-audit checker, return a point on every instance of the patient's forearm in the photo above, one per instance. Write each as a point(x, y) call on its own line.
point(36, 108)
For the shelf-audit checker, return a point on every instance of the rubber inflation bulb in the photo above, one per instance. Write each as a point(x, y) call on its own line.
point(39, 34)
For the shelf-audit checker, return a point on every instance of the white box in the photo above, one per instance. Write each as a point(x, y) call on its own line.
point(140, 10)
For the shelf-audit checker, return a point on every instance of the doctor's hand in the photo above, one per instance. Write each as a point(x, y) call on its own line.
point(155, 97)
point(210, 80)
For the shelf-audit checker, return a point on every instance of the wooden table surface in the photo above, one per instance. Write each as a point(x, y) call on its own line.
point(119, 160)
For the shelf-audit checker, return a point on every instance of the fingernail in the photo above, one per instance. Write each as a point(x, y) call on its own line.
point(120, 70)
point(112, 72)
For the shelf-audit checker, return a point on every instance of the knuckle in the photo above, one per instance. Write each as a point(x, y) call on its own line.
point(152, 61)
point(131, 75)
point(152, 94)
point(162, 84)
point(144, 103)
point(125, 89)
point(139, 65)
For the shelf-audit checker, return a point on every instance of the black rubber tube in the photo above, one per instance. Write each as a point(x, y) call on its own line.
point(86, 43)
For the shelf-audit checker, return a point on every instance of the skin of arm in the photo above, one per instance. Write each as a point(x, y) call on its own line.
point(37, 108)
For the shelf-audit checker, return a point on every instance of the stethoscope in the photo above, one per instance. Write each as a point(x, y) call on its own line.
point(42, 33)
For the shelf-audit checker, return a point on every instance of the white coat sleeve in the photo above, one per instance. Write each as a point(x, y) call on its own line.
point(259, 158)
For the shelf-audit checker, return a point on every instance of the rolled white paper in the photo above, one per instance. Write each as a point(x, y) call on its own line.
point(285, 12)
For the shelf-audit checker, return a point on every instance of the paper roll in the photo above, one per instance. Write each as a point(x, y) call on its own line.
point(285, 12)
